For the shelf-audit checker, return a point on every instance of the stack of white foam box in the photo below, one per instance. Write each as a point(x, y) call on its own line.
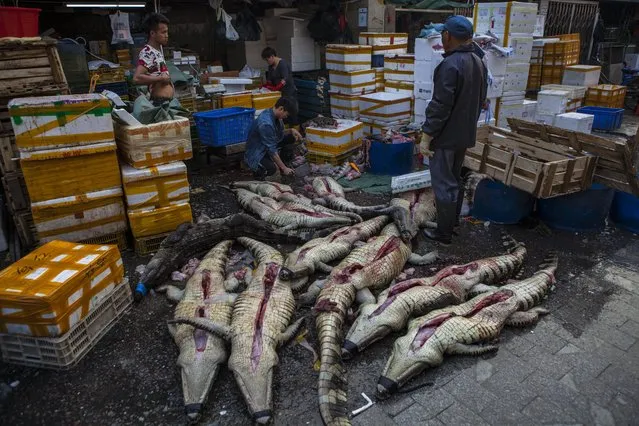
point(550, 103)
point(530, 110)
point(293, 41)
point(581, 75)
point(575, 121)
point(576, 94)
point(513, 23)
point(428, 55)
point(379, 111)
point(399, 74)
point(350, 75)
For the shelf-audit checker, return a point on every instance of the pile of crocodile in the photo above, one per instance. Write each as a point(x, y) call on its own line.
point(346, 266)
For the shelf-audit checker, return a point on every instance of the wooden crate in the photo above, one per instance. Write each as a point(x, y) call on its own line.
point(9, 154)
point(25, 229)
point(15, 190)
point(618, 158)
point(606, 95)
point(27, 64)
point(542, 169)
point(108, 75)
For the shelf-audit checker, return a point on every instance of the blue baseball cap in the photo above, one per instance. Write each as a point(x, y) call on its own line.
point(457, 26)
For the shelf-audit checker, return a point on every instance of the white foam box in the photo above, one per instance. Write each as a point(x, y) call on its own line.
point(347, 131)
point(352, 82)
point(552, 101)
point(78, 218)
point(581, 75)
point(344, 106)
point(385, 42)
point(509, 109)
point(539, 26)
point(505, 17)
point(48, 122)
point(404, 87)
point(516, 77)
point(411, 182)
point(289, 28)
point(425, 70)
point(420, 106)
point(419, 119)
point(575, 121)
point(530, 110)
point(427, 49)
point(385, 107)
point(548, 119)
point(348, 57)
point(632, 60)
point(423, 90)
point(394, 62)
point(574, 92)
point(301, 53)
point(496, 62)
point(495, 87)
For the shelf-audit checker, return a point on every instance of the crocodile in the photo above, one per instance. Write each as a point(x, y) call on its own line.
point(426, 343)
point(330, 192)
point(370, 266)
point(408, 360)
point(200, 354)
point(421, 205)
point(259, 326)
point(413, 297)
point(194, 240)
point(287, 215)
point(315, 254)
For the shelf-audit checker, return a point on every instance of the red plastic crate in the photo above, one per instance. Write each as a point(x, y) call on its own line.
point(19, 21)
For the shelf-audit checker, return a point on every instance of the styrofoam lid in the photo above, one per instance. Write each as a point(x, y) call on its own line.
point(233, 81)
point(576, 115)
point(583, 68)
point(553, 93)
point(386, 96)
point(529, 102)
point(77, 199)
point(342, 125)
point(131, 174)
point(542, 41)
point(49, 100)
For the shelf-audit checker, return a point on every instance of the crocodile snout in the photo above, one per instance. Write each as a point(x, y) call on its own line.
point(193, 412)
point(263, 417)
point(349, 350)
point(286, 274)
point(385, 387)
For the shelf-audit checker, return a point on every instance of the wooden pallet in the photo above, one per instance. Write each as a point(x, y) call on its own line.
point(542, 169)
point(9, 154)
point(15, 190)
point(618, 158)
point(29, 64)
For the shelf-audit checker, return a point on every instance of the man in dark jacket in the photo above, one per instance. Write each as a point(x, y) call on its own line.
point(459, 92)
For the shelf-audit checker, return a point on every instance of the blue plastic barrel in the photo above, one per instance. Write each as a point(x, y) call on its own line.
point(582, 211)
point(502, 204)
point(391, 159)
point(625, 211)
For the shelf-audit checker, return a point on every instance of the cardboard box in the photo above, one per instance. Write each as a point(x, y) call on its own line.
point(60, 121)
point(68, 172)
point(54, 287)
point(81, 218)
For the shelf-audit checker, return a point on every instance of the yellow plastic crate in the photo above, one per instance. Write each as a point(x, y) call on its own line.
point(108, 75)
point(237, 100)
point(146, 222)
point(534, 77)
point(335, 160)
point(606, 95)
point(265, 100)
point(552, 74)
point(320, 148)
point(561, 53)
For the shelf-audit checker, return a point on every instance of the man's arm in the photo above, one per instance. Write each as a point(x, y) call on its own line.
point(440, 107)
point(285, 71)
point(269, 138)
point(143, 77)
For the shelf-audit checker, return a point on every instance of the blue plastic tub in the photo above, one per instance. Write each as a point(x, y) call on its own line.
point(225, 126)
point(625, 211)
point(605, 118)
point(377, 61)
point(582, 211)
point(502, 204)
point(391, 159)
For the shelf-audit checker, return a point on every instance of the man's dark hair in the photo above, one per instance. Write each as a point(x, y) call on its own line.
point(153, 21)
point(287, 104)
point(268, 52)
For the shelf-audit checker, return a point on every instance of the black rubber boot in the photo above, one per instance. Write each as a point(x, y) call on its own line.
point(460, 203)
point(445, 223)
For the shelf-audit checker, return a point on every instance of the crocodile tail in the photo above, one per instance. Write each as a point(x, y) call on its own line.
point(550, 263)
point(332, 386)
point(472, 180)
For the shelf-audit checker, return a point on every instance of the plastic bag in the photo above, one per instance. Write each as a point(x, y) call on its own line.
point(121, 29)
point(231, 34)
point(248, 72)
point(247, 26)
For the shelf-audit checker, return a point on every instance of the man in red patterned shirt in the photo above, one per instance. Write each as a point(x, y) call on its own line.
point(152, 69)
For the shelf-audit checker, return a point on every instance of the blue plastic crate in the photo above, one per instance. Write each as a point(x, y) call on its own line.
point(605, 118)
point(225, 126)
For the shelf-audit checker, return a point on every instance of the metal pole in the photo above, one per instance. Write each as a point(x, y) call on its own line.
point(592, 34)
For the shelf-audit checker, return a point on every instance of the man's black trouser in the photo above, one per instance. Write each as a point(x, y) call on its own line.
point(448, 186)
point(286, 149)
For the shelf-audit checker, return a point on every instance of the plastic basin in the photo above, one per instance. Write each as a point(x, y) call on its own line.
point(625, 211)
point(582, 211)
point(391, 159)
point(501, 204)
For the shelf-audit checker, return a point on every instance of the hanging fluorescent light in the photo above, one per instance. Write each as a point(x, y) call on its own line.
point(107, 5)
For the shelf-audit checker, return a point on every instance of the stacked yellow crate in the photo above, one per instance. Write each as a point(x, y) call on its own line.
point(53, 288)
point(262, 101)
point(606, 95)
point(68, 157)
point(334, 146)
point(155, 178)
point(557, 56)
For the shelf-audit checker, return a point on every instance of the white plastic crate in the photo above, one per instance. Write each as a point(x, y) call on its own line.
point(62, 353)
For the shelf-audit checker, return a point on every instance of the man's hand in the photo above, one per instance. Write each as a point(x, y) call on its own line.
point(424, 145)
point(297, 135)
point(283, 82)
point(287, 172)
point(164, 78)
